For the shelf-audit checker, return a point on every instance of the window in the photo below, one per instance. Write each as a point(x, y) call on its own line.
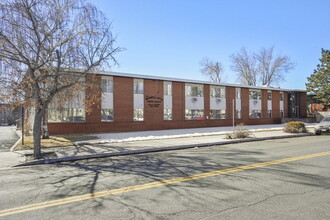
point(238, 93)
point(255, 94)
point(269, 95)
point(138, 111)
point(6, 114)
point(281, 96)
point(281, 113)
point(75, 115)
point(326, 119)
point(68, 115)
point(238, 96)
point(194, 90)
point(106, 114)
point(255, 114)
point(167, 101)
point(72, 110)
point(238, 114)
point(218, 92)
point(167, 114)
point(107, 99)
point(218, 114)
point(138, 86)
point(138, 115)
point(107, 84)
point(194, 101)
point(269, 113)
point(194, 114)
point(168, 88)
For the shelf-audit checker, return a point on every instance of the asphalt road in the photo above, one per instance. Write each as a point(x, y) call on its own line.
point(151, 186)
point(7, 138)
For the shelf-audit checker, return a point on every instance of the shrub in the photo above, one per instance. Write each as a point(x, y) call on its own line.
point(240, 131)
point(295, 127)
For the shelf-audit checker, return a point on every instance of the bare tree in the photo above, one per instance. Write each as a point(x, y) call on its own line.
point(212, 69)
point(272, 68)
point(48, 46)
point(245, 65)
point(262, 68)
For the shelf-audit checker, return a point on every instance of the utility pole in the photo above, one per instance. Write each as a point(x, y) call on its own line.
point(233, 114)
point(22, 123)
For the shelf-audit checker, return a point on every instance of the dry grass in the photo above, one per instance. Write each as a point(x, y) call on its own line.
point(78, 137)
point(45, 143)
point(55, 141)
point(240, 131)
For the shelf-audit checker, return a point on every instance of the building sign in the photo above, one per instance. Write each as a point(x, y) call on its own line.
point(153, 101)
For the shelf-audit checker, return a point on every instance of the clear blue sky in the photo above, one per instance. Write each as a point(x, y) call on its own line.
point(169, 37)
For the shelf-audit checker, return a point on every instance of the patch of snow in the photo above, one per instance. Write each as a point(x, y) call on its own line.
point(175, 133)
point(105, 138)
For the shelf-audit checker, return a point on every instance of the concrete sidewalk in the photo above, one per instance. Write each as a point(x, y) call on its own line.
point(8, 137)
point(89, 151)
point(176, 133)
point(11, 159)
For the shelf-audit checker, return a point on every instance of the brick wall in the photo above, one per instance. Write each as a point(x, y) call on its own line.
point(264, 102)
point(153, 114)
point(230, 95)
point(178, 101)
point(275, 104)
point(245, 105)
point(153, 106)
point(123, 99)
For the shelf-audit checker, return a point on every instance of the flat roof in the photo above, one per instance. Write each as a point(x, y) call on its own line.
point(140, 76)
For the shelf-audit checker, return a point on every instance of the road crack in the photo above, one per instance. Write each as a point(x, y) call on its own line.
point(266, 199)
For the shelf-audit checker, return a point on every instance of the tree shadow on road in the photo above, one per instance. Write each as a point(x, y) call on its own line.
point(91, 176)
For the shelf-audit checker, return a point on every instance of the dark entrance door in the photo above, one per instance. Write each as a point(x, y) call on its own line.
point(293, 105)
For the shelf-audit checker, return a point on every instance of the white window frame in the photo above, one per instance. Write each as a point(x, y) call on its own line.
point(167, 111)
point(217, 92)
point(107, 110)
point(138, 105)
point(199, 90)
point(138, 86)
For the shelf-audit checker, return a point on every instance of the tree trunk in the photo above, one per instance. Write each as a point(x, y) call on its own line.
point(37, 134)
point(45, 133)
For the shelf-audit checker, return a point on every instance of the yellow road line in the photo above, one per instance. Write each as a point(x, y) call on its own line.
point(73, 199)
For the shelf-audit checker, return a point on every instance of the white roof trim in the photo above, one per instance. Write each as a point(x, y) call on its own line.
point(130, 75)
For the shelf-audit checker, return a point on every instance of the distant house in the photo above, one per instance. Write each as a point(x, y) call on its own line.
point(7, 115)
point(313, 107)
point(130, 102)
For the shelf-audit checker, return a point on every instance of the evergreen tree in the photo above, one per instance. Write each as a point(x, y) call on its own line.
point(319, 82)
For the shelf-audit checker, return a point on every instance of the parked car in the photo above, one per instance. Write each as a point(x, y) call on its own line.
point(323, 126)
point(76, 119)
point(107, 118)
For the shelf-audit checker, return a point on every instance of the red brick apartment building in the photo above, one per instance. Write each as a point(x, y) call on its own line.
point(139, 102)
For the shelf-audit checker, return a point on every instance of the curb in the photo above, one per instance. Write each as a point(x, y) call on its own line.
point(153, 150)
point(12, 149)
